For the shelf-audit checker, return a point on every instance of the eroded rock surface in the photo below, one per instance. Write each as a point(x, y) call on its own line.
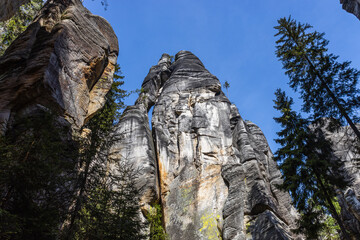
point(193, 140)
point(64, 61)
point(216, 174)
point(134, 142)
point(9, 8)
point(267, 210)
point(345, 149)
point(351, 6)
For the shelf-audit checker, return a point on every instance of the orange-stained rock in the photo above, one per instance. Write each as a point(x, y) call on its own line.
point(64, 61)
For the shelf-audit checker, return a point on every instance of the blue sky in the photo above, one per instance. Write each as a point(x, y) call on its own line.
point(233, 38)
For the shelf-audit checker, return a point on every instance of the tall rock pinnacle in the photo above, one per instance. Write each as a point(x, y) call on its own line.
point(215, 173)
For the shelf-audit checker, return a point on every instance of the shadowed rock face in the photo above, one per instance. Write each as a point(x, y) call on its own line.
point(268, 213)
point(9, 8)
point(216, 176)
point(344, 146)
point(351, 6)
point(63, 61)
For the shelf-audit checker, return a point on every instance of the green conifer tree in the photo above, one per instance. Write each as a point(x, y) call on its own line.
point(306, 161)
point(327, 87)
point(112, 209)
point(226, 85)
point(37, 164)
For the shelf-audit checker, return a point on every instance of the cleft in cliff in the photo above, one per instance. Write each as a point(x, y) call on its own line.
point(136, 144)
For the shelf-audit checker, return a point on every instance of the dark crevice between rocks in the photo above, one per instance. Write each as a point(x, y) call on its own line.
point(261, 208)
point(150, 112)
point(197, 153)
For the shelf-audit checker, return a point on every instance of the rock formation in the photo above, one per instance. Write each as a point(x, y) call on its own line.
point(351, 6)
point(64, 64)
point(211, 171)
point(215, 172)
point(9, 8)
point(64, 61)
point(345, 149)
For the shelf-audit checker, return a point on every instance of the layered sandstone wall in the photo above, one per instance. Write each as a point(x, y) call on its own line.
point(215, 173)
point(64, 61)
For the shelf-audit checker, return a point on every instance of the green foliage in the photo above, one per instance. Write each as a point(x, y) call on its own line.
point(328, 87)
point(320, 222)
point(13, 27)
point(107, 206)
point(154, 217)
point(105, 119)
point(308, 167)
point(112, 209)
point(36, 168)
point(226, 85)
point(330, 230)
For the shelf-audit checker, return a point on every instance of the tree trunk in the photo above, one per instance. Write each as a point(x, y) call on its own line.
point(332, 95)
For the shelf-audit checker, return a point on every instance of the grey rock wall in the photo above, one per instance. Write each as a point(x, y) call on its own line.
point(133, 141)
point(345, 149)
point(351, 6)
point(268, 213)
point(134, 144)
point(64, 61)
point(215, 173)
point(193, 139)
point(9, 8)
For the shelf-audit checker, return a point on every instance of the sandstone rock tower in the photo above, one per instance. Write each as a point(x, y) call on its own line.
point(64, 61)
point(212, 171)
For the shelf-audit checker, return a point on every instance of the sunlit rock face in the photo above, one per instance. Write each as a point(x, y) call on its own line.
point(215, 173)
point(134, 142)
point(193, 140)
point(351, 6)
point(64, 61)
point(9, 8)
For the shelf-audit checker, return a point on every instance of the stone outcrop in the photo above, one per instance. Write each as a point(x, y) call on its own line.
point(215, 173)
point(345, 149)
point(64, 61)
point(351, 6)
point(9, 8)
point(135, 143)
point(193, 140)
point(268, 213)
point(211, 171)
